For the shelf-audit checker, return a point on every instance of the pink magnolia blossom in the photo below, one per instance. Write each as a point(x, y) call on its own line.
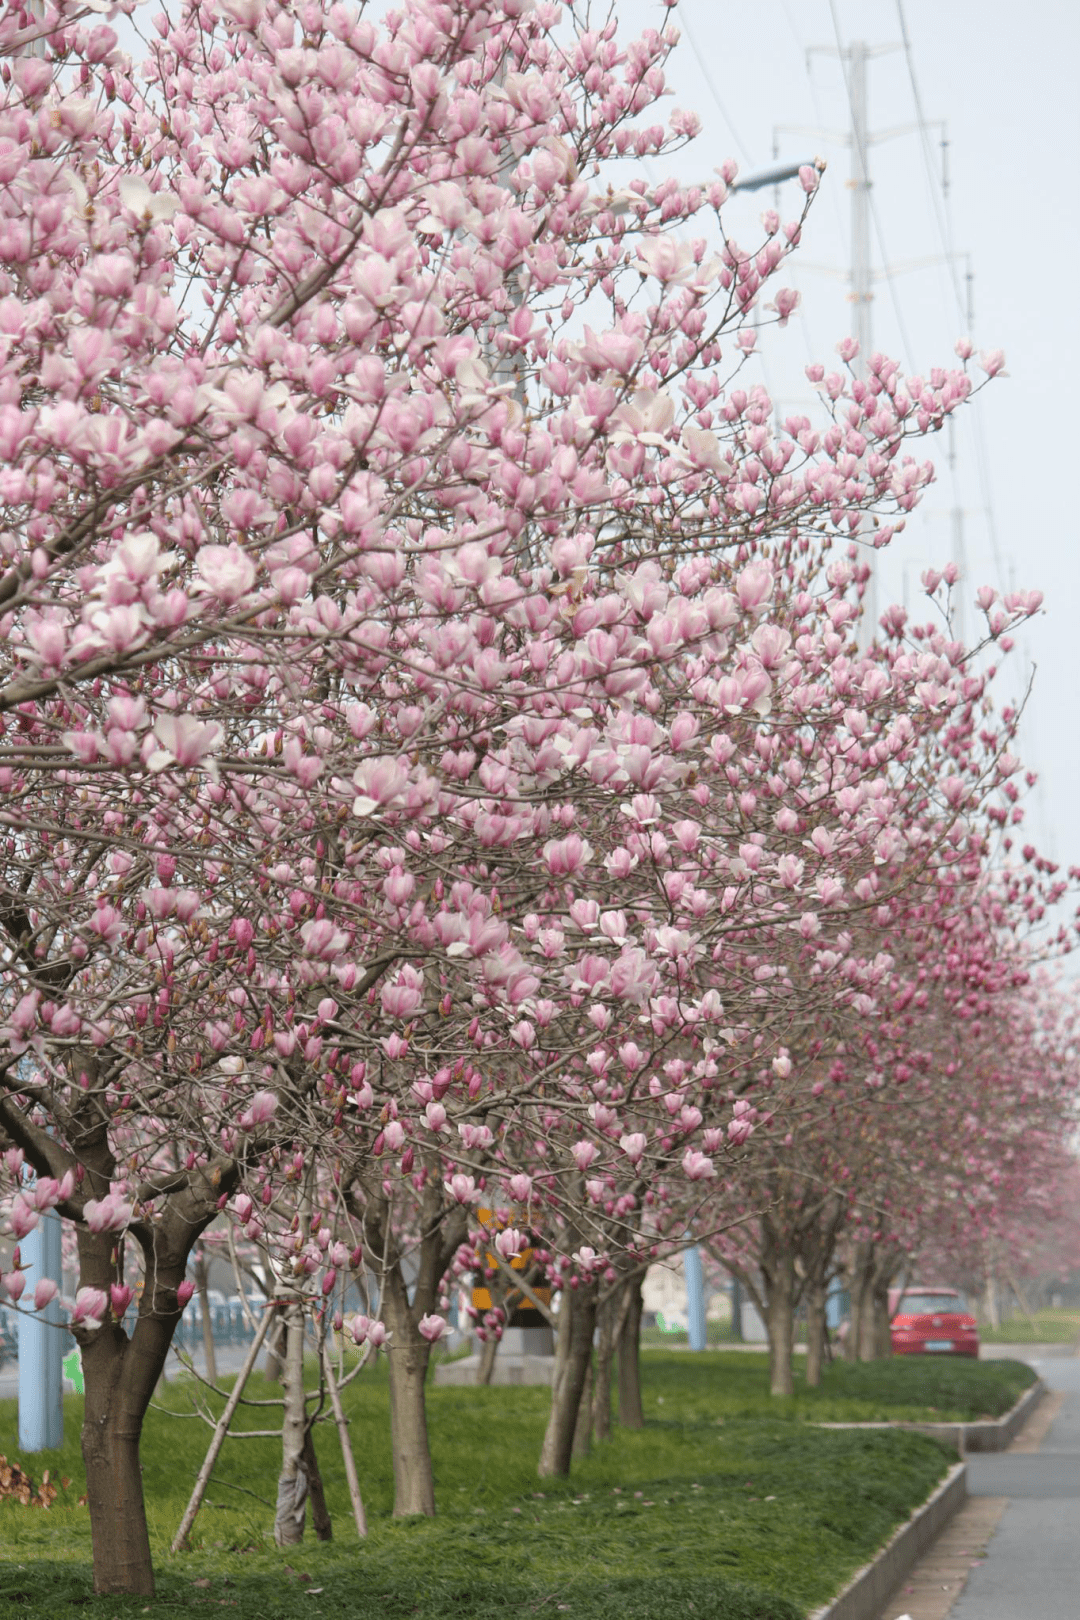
point(109, 1214)
point(22, 1216)
point(13, 1283)
point(45, 1290)
point(225, 572)
point(697, 1166)
point(510, 1242)
point(262, 1108)
point(120, 1297)
point(90, 1309)
point(461, 1188)
point(321, 939)
point(183, 740)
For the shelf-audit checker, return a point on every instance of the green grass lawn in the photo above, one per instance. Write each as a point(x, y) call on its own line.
point(909, 1388)
point(1043, 1327)
point(725, 1507)
point(654, 1338)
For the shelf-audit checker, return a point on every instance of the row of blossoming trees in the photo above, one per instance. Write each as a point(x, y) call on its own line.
point(443, 760)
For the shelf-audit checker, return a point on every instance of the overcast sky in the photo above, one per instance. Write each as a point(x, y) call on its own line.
point(1003, 79)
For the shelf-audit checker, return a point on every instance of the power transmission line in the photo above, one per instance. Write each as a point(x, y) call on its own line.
point(941, 211)
point(943, 216)
point(711, 83)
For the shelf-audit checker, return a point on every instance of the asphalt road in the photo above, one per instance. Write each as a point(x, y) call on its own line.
point(1032, 1568)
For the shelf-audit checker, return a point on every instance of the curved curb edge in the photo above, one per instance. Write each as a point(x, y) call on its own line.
point(987, 1434)
point(1000, 1434)
point(869, 1589)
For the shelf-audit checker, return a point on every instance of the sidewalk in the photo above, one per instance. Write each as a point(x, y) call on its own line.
point(1014, 1550)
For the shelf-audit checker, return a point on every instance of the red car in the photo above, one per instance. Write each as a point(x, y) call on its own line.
point(931, 1321)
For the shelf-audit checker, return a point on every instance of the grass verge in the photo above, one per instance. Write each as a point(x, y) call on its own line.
point(1044, 1327)
point(725, 1507)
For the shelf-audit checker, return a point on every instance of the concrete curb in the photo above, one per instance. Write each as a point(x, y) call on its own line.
point(525, 1369)
point(995, 1434)
point(866, 1593)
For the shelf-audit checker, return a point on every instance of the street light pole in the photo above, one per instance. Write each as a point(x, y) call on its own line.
point(41, 1406)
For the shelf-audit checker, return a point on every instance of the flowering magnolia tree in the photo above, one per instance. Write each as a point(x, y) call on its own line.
point(980, 1181)
point(433, 732)
point(923, 1134)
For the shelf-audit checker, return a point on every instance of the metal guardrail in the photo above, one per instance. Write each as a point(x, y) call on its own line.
point(227, 1321)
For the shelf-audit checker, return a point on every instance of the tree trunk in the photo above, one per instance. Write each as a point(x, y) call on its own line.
point(179, 1542)
point(583, 1426)
point(414, 1484)
point(605, 1355)
point(274, 1367)
point(320, 1513)
point(347, 1458)
point(780, 1325)
point(573, 1358)
point(861, 1276)
point(120, 1376)
point(867, 1336)
point(882, 1324)
point(992, 1308)
point(631, 1415)
point(815, 1332)
point(292, 1481)
point(486, 1370)
point(736, 1310)
point(112, 1424)
point(202, 1280)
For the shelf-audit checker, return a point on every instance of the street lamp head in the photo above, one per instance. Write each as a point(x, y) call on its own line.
point(773, 174)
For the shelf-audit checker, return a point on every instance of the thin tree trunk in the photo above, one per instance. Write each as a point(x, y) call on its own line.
point(736, 1310)
point(860, 1287)
point(320, 1513)
point(414, 1484)
point(583, 1425)
point(359, 1516)
point(874, 1336)
point(202, 1281)
point(815, 1332)
point(274, 1368)
point(486, 1370)
point(292, 1482)
point(631, 1415)
point(780, 1325)
point(882, 1324)
point(867, 1345)
point(219, 1435)
point(1021, 1297)
point(610, 1314)
point(573, 1356)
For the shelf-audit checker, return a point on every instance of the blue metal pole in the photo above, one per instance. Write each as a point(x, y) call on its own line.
point(41, 1403)
point(695, 1296)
